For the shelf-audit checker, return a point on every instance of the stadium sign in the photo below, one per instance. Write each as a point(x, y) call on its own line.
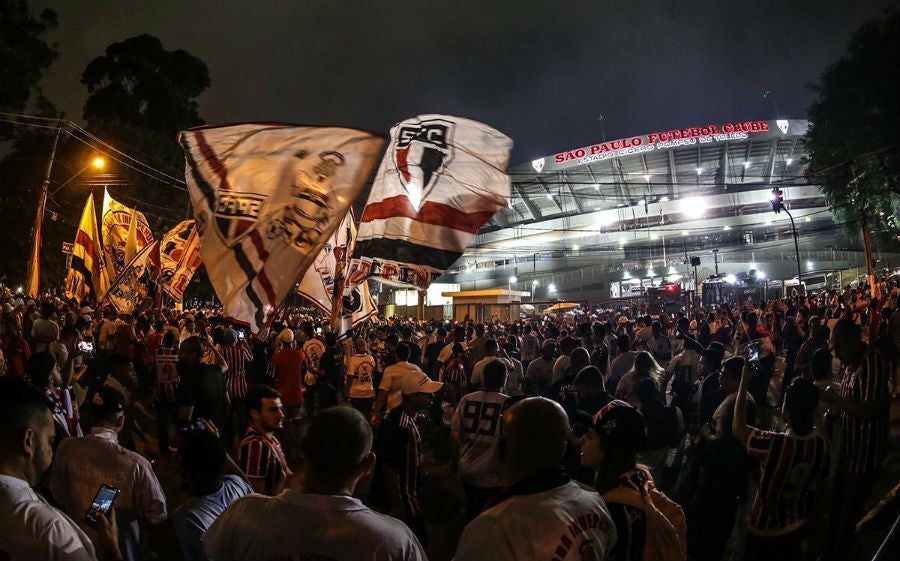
point(661, 140)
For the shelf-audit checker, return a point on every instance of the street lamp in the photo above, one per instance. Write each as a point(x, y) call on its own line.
point(512, 281)
point(34, 263)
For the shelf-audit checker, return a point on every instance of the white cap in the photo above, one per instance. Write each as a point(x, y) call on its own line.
point(419, 383)
point(286, 335)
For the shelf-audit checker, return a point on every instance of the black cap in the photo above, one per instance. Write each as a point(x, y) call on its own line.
point(622, 424)
point(106, 401)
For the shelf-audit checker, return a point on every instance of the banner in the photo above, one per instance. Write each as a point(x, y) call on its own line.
point(88, 271)
point(441, 179)
point(319, 281)
point(115, 221)
point(133, 285)
point(266, 198)
point(179, 256)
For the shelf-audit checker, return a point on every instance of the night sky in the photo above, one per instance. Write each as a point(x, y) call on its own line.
point(541, 72)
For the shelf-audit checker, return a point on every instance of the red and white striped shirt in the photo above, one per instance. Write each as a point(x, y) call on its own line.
point(793, 471)
point(236, 357)
point(864, 441)
point(261, 458)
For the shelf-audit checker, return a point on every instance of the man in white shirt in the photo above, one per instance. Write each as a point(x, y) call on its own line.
point(335, 525)
point(541, 513)
point(475, 428)
point(390, 394)
point(83, 464)
point(492, 353)
point(29, 527)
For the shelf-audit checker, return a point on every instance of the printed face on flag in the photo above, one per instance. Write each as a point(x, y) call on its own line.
point(179, 256)
point(114, 223)
point(266, 198)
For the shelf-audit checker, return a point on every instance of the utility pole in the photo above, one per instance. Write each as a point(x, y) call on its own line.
point(716, 260)
point(34, 262)
point(864, 218)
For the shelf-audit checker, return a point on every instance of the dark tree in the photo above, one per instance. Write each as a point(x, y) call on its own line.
point(24, 54)
point(852, 144)
point(141, 95)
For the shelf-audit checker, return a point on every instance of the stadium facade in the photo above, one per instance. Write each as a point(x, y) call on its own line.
point(598, 221)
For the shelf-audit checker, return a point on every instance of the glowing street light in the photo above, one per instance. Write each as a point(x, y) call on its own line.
point(98, 163)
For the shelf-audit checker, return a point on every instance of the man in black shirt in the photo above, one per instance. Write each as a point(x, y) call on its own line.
point(433, 351)
point(201, 391)
point(331, 374)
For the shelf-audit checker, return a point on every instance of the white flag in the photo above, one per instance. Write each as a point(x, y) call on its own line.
point(333, 262)
point(266, 198)
point(441, 179)
point(179, 257)
point(132, 286)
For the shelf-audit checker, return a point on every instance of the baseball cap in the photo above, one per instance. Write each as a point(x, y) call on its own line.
point(106, 401)
point(286, 335)
point(622, 424)
point(415, 383)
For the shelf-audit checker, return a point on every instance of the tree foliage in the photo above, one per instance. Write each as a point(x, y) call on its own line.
point(140, 96)
point(24, 56)
point(852, 148)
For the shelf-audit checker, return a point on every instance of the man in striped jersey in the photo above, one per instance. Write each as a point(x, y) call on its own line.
point(237, 355)
point(794, 468)
point(864, 403)
point(261, 457)
point(397, 485)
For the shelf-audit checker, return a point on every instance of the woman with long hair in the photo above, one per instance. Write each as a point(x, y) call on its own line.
point(645, 367)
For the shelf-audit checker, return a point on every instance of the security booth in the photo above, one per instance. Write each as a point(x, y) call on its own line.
point(486, 305)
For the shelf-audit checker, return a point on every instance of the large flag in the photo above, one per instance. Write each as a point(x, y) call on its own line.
point(179, 255)
point(266, 198)
point(442, 178)
point(131, 288)
point(319, 281)
point(115, 221)
point(88, 272)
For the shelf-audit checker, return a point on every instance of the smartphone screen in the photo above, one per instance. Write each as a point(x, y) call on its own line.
point(102, 502)
point(753, 352)
point(188, 426)
point(86, 346)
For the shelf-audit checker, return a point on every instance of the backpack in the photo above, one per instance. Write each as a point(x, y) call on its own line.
point(666, 527)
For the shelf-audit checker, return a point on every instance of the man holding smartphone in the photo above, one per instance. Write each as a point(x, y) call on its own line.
point(29, 527)
point(84, 464)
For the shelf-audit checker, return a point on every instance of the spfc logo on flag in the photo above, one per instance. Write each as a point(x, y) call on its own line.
point(421, 153)
point(538, 165)
point(782, 125)
point(236, 213)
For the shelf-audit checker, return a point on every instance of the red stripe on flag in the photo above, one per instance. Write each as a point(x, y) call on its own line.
point(214, 164)
point(402, 165)
point(436, 214)
point(263, 279)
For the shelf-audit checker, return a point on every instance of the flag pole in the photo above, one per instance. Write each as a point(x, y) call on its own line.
point(34, 262)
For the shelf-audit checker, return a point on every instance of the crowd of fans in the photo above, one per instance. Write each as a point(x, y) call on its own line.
point(751, 430)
